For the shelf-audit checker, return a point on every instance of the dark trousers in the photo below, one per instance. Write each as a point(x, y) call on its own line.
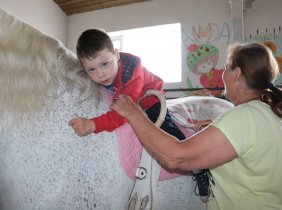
point(168, 125)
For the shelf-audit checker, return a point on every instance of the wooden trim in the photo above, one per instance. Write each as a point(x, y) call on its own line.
point(79, 6)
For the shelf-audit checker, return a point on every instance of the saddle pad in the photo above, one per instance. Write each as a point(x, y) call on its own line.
point(185, 112)
point(130, 150)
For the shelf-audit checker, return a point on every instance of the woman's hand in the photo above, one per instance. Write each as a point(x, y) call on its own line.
point(202, 92)
point(124, 106)
point(82, 126)
point(201, 124)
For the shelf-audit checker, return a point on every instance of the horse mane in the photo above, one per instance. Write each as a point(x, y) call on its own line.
point(33, 66)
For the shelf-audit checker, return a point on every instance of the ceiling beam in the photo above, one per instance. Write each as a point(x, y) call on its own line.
point(79, 6)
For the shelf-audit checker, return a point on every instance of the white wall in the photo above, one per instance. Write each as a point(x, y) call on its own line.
point(203, 22)
point(44, 15)
point(190, 13)
point(265, 15)
point(263, 22)
point(156, 12)
point(212, 17)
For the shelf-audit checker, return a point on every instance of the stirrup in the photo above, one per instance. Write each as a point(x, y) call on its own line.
point(143, 195)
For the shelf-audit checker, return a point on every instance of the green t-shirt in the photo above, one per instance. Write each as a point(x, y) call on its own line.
point(253, 181)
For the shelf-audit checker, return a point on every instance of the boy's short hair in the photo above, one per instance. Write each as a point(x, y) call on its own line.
point(92, 41)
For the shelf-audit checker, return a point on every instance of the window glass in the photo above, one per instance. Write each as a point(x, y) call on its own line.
point(159, 48)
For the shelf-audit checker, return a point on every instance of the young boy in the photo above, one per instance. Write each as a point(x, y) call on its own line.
point(121, 73)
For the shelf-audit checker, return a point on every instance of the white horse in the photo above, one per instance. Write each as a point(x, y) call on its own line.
point(43, 164)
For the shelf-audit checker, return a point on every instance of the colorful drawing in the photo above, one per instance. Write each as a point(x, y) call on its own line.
point(272, 39)
point(273, 48)
point(213, 80)
point(209, 33)
point(202, 59)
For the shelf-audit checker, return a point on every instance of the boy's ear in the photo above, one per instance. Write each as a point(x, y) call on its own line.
point(117, 54)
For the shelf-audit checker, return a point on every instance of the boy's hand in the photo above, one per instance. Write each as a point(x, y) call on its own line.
point(82, 126)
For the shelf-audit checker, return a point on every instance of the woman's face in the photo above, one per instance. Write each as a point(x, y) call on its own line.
point(228, 81)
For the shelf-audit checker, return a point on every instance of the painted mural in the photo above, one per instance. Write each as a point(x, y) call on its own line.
point(203, 45)
point(272, 39)
point(202, 56)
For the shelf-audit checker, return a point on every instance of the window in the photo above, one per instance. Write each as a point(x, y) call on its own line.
point(159, 48)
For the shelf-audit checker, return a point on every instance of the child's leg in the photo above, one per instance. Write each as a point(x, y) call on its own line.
point(200, 176)
point(168, 125)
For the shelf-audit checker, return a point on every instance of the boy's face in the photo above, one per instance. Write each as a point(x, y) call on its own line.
point(103, 68)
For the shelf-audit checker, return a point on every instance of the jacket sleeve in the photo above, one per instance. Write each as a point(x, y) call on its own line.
point(108, 122)
point(133, 87)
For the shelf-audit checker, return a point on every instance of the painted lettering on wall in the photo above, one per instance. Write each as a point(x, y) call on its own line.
point(211, 33)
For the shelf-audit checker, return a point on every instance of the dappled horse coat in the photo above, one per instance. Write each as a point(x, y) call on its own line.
point(43, 164)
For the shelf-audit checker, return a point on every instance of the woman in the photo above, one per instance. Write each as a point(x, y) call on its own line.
point(242, 147)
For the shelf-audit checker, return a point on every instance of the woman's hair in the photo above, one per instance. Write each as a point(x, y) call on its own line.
point(93, 41)
point(260, 68)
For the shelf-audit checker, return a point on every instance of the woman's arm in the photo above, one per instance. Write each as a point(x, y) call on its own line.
point(206, 149)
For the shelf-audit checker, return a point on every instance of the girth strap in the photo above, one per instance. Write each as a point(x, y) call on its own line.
point(143, 195)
